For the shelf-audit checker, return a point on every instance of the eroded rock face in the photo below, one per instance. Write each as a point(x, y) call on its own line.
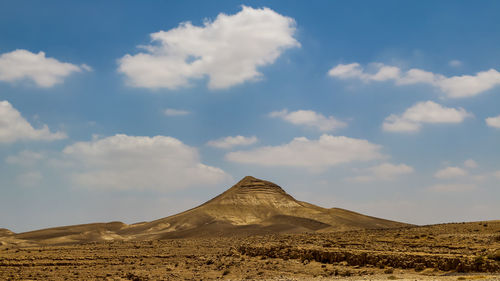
point(251, 201)
point(418, 261)
point(254, 192)
point(456, 247)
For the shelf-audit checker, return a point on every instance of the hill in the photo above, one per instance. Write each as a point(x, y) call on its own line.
point(252, 206)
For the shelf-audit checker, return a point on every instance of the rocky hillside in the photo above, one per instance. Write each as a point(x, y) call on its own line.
point(252, 206)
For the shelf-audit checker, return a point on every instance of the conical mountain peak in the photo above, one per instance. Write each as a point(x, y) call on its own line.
point(248, 178)
point(250, 184)
point(251, 206)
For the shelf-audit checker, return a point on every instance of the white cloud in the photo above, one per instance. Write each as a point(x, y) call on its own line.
point(301, 152)
point(345, 71)
point(453, 87)
point(455, 63)
point(175, 112)
point(131, 162)
point(309, 118)
point(227, 50)
point(25, 158)
point(29, 179)
point(43, 71)
point(229, 142)
point(14, 127)
point(493, 122)
point(86, 67)
point(469, 163)
point(389, 171)
point(497, 174)
point(469, 85)
point(452, 187)
point(384, 171)
point(450, 172)
point(385, 73)
point(423, 112)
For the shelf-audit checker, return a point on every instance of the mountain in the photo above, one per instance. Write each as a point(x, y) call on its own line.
point(5, 232)
point(252, 206)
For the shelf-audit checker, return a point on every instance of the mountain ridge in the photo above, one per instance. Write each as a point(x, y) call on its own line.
point(251, 206)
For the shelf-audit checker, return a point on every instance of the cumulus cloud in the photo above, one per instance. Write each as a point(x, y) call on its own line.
point(345, 71)
point(43, 71)
point(132, 162)
point(309, 118)
point(25, 158)
point(301, 152)
point(230, 142)
point(384, 171)
point(14, 127)
point(453, 87)
point(450, 173)
point(423, 112)
point(228, 50)
point(452, 187)
point(175, 112)
point(493, 122)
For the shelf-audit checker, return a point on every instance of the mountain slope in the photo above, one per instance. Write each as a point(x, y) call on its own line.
point(252, 206)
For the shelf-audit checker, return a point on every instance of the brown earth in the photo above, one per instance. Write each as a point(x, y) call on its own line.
point(461, 251)
point(255, 231)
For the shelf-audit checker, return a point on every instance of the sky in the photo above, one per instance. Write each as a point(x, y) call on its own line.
point(136, 110)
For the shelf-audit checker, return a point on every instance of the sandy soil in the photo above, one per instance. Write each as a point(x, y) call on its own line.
point(441, 252)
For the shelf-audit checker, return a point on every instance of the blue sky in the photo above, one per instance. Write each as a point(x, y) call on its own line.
point(387, 108)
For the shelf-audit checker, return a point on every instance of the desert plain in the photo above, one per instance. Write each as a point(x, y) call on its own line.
point(255, 231)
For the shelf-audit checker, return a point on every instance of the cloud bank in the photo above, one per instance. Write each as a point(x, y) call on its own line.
point(25, 158)
point(132, 162)
point(453, 87)
point(301, 152)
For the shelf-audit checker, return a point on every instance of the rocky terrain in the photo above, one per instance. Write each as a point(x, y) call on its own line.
point(463, 251)
point(255, 231)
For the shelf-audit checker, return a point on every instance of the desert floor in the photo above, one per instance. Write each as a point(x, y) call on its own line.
point(462, 251)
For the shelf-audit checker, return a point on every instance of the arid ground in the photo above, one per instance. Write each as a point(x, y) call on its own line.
point(458, 251)
point(254, 231)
